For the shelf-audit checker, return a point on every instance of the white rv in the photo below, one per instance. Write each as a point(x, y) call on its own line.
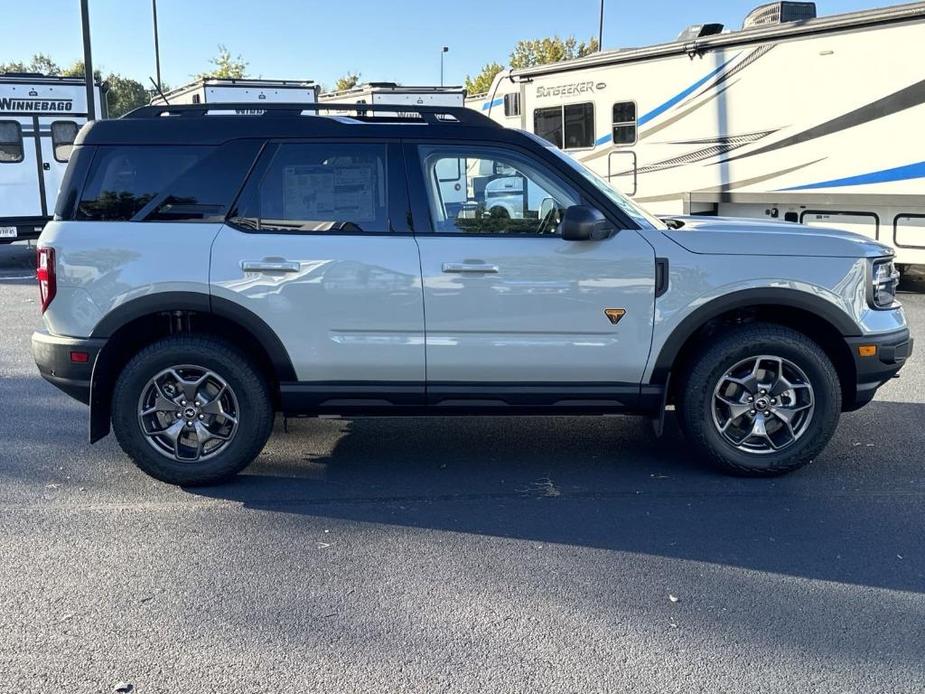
point(793, 118)
point(392, 93)
point(39, 119)
point(217, 91)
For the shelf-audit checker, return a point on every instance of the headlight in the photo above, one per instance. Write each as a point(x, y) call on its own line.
point(884, 281)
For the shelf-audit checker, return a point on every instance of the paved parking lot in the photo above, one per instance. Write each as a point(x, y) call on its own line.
point(495, 555)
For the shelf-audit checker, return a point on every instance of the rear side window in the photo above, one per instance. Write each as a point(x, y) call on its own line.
point(318, 188)
point(123, 180)
point(63, 134)
point(10, 142)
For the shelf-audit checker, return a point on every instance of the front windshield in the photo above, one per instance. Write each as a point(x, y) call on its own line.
point(631, 209)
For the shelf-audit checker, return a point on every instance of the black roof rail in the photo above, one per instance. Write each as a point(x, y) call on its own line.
point(429, 114)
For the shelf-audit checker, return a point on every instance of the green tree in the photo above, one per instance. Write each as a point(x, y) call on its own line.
point(39, 63)
point(481, 83)
point(226, 66)
point(348, 81)
point(550, 50)
point(125, 94)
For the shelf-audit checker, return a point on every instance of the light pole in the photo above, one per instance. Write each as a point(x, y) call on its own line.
point(157, 48)
point(444, 51)
point(600, 31)
point(88, 60)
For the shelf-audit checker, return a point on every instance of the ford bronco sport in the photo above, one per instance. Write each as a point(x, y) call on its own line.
point(205, 270)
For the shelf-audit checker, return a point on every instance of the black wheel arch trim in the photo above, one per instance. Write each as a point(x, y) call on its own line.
point(164, 302)
point(747, 298)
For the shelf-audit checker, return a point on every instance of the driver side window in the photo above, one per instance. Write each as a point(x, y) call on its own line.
point(487, 190)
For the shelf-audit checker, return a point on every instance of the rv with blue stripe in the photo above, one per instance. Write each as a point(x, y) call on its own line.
point(792, 117)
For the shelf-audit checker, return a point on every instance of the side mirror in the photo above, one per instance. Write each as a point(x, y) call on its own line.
point(583, 223)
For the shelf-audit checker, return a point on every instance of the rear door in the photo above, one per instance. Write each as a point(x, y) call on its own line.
point(319, 248)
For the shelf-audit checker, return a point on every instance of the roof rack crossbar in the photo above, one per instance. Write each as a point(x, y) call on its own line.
point(429, 114)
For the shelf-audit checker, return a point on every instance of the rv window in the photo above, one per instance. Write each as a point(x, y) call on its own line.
point(624, 123)
point(567, 127)
point(512, 104)
point(579, 126)
point(63, 134)
point(122, 180)
point(10, 142)
point(547, 123)
point(319, 188)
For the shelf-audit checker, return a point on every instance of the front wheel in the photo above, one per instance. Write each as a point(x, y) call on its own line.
point(191, 410)
point(761, 400)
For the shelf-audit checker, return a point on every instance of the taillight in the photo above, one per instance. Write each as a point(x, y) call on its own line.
point(45, 274)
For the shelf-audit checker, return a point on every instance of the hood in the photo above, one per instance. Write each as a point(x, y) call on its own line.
point(733, 236)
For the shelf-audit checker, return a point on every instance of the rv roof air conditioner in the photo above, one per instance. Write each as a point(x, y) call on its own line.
point(697, 31)
point(779, 13)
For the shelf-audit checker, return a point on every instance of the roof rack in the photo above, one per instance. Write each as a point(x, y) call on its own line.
point(395, 112)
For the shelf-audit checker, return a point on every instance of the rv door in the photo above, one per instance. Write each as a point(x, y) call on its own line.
point(19, 168)
point(57, 138)
point(621, 171)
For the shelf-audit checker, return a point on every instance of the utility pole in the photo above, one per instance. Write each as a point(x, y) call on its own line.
point(446, 49)
point(88, 60)
point(157, 49)
point(600, 31)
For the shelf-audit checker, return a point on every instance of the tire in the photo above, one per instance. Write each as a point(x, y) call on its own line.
point(711, 396)
point(211, 443)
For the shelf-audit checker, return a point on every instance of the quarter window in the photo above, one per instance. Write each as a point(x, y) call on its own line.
point(512, 104)
point(63, 134)
point(11, 150)
point(567, 127)
point(624, 123)
point(122, 180)
point(499, 192)
point(318, 188)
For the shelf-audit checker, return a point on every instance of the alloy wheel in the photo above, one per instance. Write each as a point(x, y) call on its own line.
point(188, 413)
point(763, 404)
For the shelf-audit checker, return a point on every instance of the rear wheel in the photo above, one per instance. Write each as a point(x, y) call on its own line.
point(762, 400)
point(191, 410)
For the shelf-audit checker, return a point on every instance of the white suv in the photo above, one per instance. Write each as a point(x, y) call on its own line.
point(207, 270)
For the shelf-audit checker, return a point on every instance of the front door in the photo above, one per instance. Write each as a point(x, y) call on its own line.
point(319, 249)
point(512, 309)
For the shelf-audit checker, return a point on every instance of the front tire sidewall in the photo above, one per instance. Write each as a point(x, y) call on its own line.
point(714, 365)
point(254, 421)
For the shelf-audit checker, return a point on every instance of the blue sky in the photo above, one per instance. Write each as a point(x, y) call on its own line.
point(396, 40)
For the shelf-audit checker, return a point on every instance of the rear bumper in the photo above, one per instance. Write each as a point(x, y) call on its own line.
point(893, 349)
point(60, 362)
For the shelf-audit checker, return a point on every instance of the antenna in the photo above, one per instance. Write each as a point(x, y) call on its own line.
point(158, 88)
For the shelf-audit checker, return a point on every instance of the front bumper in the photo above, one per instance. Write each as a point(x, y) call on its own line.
point(61, 362)
point(892, 351)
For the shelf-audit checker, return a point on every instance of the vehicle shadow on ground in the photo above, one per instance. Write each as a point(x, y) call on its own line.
point(606, 483)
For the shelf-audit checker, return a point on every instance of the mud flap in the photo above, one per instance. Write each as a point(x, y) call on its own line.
point(658, 421)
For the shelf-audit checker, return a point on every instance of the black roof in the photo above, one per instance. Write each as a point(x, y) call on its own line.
point(213, 124)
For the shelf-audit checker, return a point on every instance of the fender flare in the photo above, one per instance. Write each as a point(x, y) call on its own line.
point(203, 303)
point(163, 302)
point(747, 298)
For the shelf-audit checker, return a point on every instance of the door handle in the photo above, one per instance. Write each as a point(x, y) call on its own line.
point(269, 266)
point(470, 267)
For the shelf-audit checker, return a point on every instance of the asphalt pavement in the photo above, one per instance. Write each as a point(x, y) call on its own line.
point(462, 555)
